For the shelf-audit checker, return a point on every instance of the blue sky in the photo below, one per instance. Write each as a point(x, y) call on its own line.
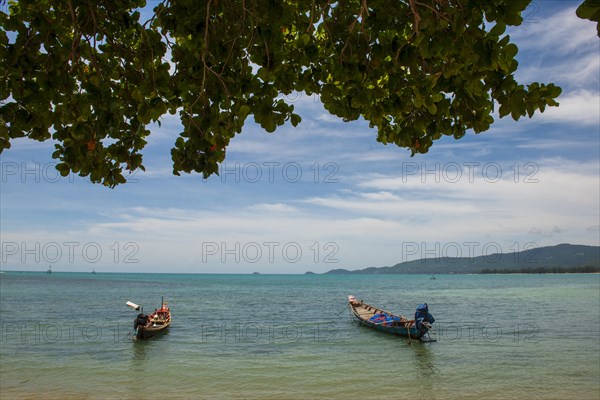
point(326, 194)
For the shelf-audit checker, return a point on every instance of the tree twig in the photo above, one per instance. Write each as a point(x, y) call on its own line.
point(416, 16)
point(77, 34)
point(437, 13)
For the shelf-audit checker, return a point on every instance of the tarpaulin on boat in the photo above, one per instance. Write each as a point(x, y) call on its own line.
point(383, 317)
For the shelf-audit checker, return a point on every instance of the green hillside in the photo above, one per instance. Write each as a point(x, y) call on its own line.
point(559, 258)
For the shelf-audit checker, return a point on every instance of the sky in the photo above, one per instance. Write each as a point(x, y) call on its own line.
point(326, 194)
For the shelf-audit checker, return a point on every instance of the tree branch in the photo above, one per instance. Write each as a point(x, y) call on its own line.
point(77, 34)
point(416, 16)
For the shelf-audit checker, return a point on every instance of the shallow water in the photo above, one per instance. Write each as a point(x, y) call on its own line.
point(290, 337)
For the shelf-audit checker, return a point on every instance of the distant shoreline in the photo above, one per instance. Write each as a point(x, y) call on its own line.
point(553, 270)
point(561, 258)
point(499, 272)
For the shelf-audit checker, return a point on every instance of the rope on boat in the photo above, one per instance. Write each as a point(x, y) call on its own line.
point(347, 306)
point(344, 309)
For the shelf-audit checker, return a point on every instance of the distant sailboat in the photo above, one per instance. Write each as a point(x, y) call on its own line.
point(93, 271)
point(49, 269)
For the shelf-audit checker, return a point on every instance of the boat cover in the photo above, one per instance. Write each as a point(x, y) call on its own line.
point(384, 317)
point(422, 315)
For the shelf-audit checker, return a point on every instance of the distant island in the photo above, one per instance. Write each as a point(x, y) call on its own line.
point(562, 258)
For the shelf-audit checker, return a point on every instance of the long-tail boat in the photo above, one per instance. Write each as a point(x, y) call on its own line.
point(147, 326)
point(385, 321)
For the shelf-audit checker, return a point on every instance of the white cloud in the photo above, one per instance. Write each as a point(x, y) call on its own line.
point(563, 49)
point(328, 118)
point(275, 208)
point(580, 107)
point(575, 71)
point(365, 226)
point(561, 33)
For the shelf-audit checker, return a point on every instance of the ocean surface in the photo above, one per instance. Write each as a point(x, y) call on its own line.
point(69, 335)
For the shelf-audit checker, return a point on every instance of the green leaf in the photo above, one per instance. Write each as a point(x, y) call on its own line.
point(498, 29)
point(295, 119)
point(94, 80)
point(305, 39)
point(63, 169)
point(590, 9)
point(269, 123)
point(244, 111)
point(431, 107)
point(511, 50)
point(437, 97)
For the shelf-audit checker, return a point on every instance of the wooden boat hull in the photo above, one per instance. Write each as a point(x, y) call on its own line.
point(146, 332)
point(412, 332)
point(362, 313)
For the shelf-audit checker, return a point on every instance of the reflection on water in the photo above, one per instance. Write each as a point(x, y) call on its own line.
point(426, 372)
point(423, 358)
point(142, 349)
point(138, 355)
point(138, 368)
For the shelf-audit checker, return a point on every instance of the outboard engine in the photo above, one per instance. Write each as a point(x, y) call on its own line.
point(422, 315)
point(141, 319)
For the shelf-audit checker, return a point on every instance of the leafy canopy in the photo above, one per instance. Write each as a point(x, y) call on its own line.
point(92, 75)
point(590, 9)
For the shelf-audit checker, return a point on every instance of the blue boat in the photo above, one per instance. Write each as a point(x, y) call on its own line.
point(418, 328)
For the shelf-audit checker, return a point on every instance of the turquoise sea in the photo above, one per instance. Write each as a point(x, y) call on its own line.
point(69, 335)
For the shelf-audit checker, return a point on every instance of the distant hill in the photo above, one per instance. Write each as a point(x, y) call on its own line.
point(559, 258)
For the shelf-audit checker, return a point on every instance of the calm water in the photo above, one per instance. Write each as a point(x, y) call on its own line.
point(290, 337)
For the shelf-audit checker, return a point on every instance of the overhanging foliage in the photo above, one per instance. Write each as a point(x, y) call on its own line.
point(92, 75)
